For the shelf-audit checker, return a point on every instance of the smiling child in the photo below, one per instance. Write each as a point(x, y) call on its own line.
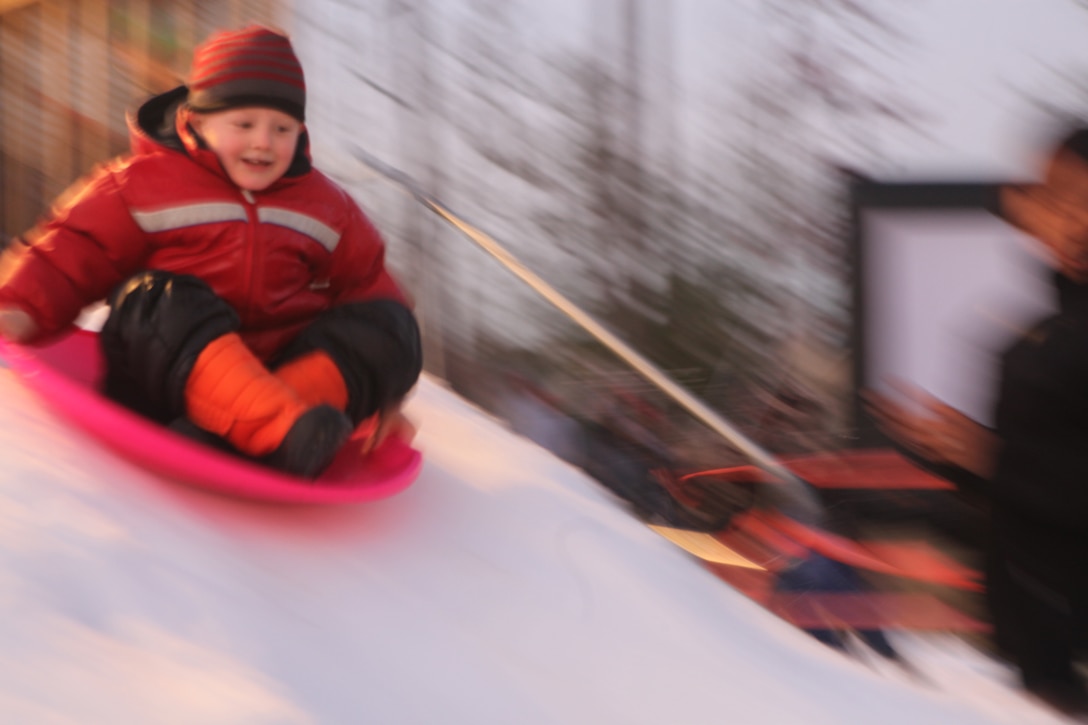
point(249, 299)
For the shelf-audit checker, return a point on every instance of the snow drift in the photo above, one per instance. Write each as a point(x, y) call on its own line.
point(503, 586)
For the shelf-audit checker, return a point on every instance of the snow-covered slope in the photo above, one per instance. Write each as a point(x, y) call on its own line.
point(502, 587)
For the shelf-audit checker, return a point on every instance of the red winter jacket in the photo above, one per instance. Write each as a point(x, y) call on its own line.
point(279, 256)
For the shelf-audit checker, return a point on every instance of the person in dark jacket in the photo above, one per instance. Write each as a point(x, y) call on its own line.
point(1034, 464)
point(249, 299)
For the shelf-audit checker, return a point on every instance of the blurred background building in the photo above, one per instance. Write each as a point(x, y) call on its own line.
point(69, 70)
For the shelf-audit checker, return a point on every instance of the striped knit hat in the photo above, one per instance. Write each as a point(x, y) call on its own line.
point(254, 66)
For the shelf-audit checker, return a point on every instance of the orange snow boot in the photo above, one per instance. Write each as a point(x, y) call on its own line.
point(232, 394)
point(316, 379)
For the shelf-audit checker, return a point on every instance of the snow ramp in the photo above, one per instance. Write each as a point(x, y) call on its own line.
point(502, 587)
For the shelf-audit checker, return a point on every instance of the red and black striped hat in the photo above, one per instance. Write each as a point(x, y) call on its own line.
point(254, 66)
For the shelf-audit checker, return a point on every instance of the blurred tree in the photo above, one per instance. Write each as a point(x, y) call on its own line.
point(665, 284)
point(420, 138)
point(707, 268)
point(812, 110)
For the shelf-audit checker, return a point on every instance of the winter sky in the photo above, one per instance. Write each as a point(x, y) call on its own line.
point(970, 74)
point(966, 67)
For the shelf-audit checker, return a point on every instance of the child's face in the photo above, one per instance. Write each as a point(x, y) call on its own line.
point(1056, 213)
point(255, 145)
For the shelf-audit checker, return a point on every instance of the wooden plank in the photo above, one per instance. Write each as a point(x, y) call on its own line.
point(33, 203)
point(153, 43)
point(14, 141)
point(186, 36)
point(93, 102)
point(7, 166)
point(137, 46)
point(705, 547)
point(58, 143)
point(145, 46)
point(9, 5)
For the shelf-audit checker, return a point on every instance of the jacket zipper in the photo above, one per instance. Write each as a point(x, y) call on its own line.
point(252, 255)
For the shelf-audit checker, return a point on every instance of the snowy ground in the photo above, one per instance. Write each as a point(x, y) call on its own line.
point(502, 587)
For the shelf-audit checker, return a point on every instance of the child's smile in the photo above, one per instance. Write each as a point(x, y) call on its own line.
point(255, 145)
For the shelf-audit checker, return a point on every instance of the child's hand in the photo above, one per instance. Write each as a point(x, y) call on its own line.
point(386, 423)
point(16, 325)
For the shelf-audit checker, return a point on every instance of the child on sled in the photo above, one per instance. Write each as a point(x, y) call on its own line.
point(249, 299)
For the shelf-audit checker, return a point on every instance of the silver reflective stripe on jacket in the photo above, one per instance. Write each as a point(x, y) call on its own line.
point(313, 228)
point(177, 217)
point(189, 215)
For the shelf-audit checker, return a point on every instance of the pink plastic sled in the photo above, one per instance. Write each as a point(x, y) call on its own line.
point(66, 373)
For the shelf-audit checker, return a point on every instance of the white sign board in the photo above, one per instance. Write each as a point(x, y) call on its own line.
point(945, 292)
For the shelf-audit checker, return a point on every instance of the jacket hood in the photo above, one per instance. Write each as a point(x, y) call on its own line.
point(154, 126)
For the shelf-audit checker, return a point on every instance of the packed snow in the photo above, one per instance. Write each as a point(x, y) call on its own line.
point(503, 586)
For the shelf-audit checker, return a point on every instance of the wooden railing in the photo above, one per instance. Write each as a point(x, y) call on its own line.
point(69, 70)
